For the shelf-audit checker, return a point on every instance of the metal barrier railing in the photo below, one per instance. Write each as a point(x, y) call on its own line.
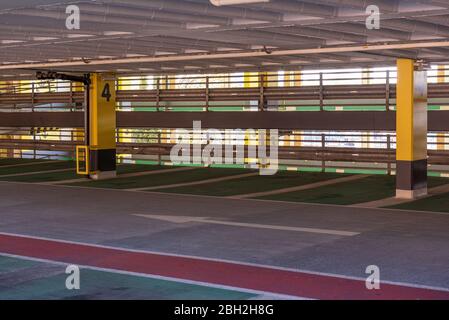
point(336, 90)
point(322, 150)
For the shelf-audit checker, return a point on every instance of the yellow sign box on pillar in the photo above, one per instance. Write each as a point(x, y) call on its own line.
point(102, 126)
point(411, 130)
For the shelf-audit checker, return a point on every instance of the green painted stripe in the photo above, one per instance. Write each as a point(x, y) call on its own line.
point(358, 171)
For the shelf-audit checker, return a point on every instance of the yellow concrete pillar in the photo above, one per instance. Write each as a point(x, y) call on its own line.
point(441, 137)
point(441, 74)
point(251, 79)
point(168, 82)
point(292, 78)
point(297, 77)
point(102, 126)
point(4, 88)
point(271, 79)
point(411, 130)
point(441, 141)
point(288, 79)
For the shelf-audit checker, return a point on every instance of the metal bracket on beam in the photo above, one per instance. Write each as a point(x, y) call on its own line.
point(50, 75)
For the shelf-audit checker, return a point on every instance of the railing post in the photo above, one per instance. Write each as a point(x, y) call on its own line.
point(34, 141)
point(323, 148)
point(387, 91)
point(389, 154)
point(262, 92)
point(71, 97)
point(32, 97)
point(321, 92)
point(159, 141)
point(207, 93)
point(158, 94)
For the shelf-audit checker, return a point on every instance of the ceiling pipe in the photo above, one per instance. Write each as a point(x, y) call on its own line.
point(175, 58)
point(205, 9)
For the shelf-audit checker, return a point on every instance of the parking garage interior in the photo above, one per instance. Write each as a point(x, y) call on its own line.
point(224, 150)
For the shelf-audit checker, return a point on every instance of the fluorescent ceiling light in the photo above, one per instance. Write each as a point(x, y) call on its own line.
point(234, 2)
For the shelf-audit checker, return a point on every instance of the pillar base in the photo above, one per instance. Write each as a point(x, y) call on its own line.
point(103, 175)
point(411, 194)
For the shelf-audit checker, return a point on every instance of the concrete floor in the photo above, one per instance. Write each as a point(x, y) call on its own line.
point(408, 247)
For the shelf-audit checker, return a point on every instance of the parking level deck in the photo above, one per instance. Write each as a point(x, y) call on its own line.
point(190, 226)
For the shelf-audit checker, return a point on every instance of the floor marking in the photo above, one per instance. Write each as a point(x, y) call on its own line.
point(194, 183)
point(181, 195)
point(225, 261)
point(184, 219)
point(299, 188)
point(34, 172)
point(239, 275)
point(126, 175)
point(31, 163)
point(391, 201)
point(51, 183)
point(146, 173)
point(267, 294)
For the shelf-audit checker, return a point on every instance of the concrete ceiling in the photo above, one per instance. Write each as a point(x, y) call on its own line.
point(179, 36)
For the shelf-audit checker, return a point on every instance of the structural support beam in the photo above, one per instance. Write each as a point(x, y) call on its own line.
point(233, 55)
point(102, 126)
point(411, 130)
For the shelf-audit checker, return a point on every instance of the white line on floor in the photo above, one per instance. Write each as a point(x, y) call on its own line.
point(184, 219)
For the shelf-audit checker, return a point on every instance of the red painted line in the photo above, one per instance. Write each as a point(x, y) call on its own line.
point(266, 279)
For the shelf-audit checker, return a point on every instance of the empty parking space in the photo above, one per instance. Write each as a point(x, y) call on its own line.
point(283, 179)
point(437, 203)
point(163, 178)
point(37, 172)
point(314, 187)
point(367, 189)
point(41, 167)
point(19, 161)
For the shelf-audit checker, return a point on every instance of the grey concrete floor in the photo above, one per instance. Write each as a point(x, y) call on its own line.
point(410, 247)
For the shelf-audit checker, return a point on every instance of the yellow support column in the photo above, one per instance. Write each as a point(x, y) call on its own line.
point(4, 88)
point(297, 77)
point(411, 130)
point(441, 74)
point(251, 79)
point(102, 126)
point(441, 137)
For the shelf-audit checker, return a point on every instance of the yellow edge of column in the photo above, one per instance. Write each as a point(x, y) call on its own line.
point(404, 110)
